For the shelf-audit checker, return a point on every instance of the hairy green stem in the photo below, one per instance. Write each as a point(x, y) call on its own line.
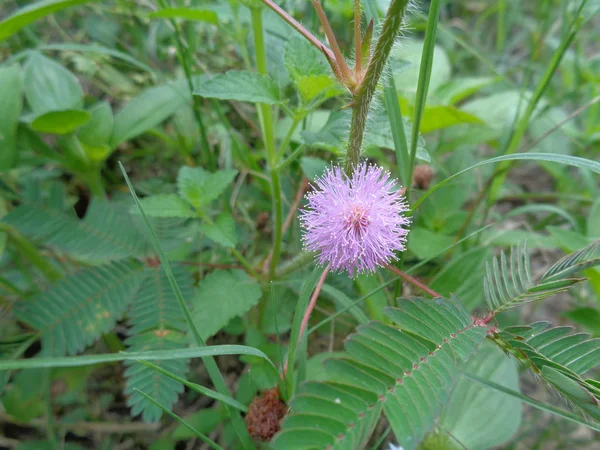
point(266, 119)
point(362, 100)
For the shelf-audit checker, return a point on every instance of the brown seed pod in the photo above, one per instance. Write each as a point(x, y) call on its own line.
point(264, 415)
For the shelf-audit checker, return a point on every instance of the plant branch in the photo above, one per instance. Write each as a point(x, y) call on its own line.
point(413, 281)
point(362, 99)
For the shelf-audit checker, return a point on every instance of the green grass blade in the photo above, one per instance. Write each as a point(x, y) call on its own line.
point(423, 83)
point(201, 436)
point(211, 364)
point(154, 355)
point(198, 388)
point(543, 84)
point(536, 404)
point(574, 161)
point(392, 107)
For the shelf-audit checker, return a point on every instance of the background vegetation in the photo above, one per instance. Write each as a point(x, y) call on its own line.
point(221, 114)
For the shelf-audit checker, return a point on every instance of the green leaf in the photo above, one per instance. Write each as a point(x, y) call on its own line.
point(407, 372)
point(146, 111)
point(31, 13)
point(587, 317)
point(11, 93)
point(91, 240)
point(302, 59)
point(199, 15)
point(459, 88)
point(223, 295)
point(46, 445)
point(508, 282)
point(99, 129)
point(476, 418)
point(559, 357)
point(25, 399)
point(205, 421)
point(412, 51)
point(241, 86)
point(313, 86)
point(157, 323)
point(60, 122)
point(222, 231)
point(425, 243)
point(165, 205)
point(587, 257)
point(78, 309)
point(439, 117)
point(50, 87)
point(312, 168)
point(200, 187)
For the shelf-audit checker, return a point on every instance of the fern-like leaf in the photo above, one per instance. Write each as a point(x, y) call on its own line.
point(560, 357)
point(78, 309)
point(157, 323)
point(508, 282)
point(407, 372)
point(588, 256)
point(107, 233)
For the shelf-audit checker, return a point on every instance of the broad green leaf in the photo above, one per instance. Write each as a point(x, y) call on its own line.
point(50, 87)
point(587, 317)
point(312, 167)
point(459, 88)
point(33, 12)
point(200, 187)
point(426, 244)
point(440, 117)
point(165, 205)
point(11, 93)
point(243, 86)
point(313, 86)
point(332, 133)
point(222, 231)
point(200, 15)
point(99, 129)
point(25, 398)
point(479, 418)
point(60, 122)
point(411, 51)
point(223, 295)
point(303, 60)
point(149, 109)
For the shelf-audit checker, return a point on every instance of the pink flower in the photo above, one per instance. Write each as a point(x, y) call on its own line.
point(356, 223)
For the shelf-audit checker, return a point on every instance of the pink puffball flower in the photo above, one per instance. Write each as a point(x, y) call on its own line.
point(356, 223)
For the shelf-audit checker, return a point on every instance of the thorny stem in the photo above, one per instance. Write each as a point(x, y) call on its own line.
point(413, 281)
point(362, 99)
point(309, 309)
point(357, 39)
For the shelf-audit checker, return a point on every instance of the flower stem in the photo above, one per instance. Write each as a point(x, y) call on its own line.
point(362, 99)
point(266, 118)
point(309, 309)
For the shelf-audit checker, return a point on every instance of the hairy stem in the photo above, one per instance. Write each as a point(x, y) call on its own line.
point(364, 96)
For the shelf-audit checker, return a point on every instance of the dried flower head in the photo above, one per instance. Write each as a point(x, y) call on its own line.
point(356, 223)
